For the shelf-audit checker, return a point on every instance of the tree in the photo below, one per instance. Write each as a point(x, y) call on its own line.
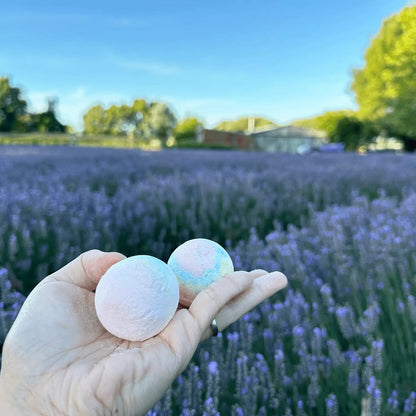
point(94, 120)
point(353, 132)
point(112, 121)
point(187, 129)
point(385, 88)
point(138, 113)
point(159, 122)
point(123, 120)
point(327, 122)
point(47, 121)
point(241, 125)
point(12, 106)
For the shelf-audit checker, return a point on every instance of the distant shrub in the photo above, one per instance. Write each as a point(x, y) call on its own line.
point(194, 145)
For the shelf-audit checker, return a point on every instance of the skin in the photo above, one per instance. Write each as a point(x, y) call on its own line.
point(59, 360)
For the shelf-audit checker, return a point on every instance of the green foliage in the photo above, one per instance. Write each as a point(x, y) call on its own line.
point(141, 120)
point(385, 88)
point(13, 115)
point(241, 125)
point(116, 121)
point(46, 121)
point(159, 122)
point(112, 121)
point(191, 144)
point(186, 130)
point(353, 132)
point(94, 120)
point(12, 105)
point(326, 122)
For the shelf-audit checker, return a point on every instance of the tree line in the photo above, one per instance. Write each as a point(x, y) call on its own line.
point(142, 121)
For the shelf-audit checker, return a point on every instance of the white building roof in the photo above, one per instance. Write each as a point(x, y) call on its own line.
point(288, 131)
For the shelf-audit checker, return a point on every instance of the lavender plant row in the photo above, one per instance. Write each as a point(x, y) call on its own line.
point(58, 202)
point(340, 339)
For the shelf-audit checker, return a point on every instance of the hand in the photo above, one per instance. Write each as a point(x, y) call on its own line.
point(59, 360)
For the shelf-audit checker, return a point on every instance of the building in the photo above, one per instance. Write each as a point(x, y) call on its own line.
point(224, 138)
point(290, 139)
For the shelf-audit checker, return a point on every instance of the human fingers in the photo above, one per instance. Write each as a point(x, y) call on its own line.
point(263, 287)
point(257, 273)
point(87, 269)
point(184, 331)
point(254, 274)
point(209, 301)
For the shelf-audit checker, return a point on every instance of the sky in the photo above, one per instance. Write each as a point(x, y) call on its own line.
point(216, 60)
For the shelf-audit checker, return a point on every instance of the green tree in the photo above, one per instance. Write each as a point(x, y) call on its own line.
point(117, 120)
point(138, 113)
point(94, 120)
point(241, 125)
point(159, 122)
point(112, 121)
point(12, 105)
point(186, 130)
point(47, 121)
point(385, 88)
point(353, 132)
point(327, 122)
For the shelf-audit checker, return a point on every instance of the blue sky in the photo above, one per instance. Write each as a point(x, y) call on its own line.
point(216, 60)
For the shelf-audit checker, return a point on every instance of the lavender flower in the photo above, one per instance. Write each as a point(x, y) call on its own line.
point(411, 304)
point(313, 392)
point(10, 304)
point(400, 306)
point(370, 320)
point(346, 321)
point(392, 403)
point(326, 293)
point(374, 396)
point(342, 228)
point(331, 405)
point(377, 354)
point(210, 408)
point(409, 403)
point(354, 361)
point(213, 384)
point(334, 352)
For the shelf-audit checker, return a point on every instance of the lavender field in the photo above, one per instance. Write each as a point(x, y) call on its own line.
point(339, 340)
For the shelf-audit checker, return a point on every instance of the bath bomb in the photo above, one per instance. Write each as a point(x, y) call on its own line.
point(197, 263)
point(137, 297)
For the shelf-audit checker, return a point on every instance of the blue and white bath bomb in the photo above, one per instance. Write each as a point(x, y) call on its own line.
point(137, 297)
point(197, 263)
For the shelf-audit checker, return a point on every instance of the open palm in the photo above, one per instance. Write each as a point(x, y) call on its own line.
point(59, 360)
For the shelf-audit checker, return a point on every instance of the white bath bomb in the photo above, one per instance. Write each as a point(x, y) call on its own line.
point(197, 263)
point(137, 297)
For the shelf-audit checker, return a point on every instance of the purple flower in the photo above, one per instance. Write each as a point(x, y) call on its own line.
point(213, 367)
point(331, 405)
point(400, 306)
point(346, 321)
point(409, 403)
